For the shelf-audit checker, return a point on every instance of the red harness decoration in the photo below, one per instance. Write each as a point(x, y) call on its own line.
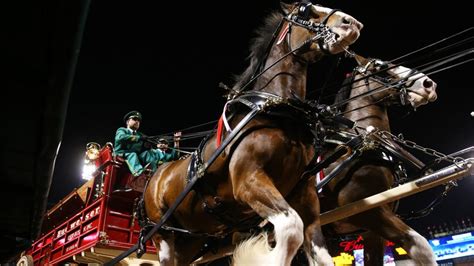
point(220, 125)
point(283, 34)
point(320, 175)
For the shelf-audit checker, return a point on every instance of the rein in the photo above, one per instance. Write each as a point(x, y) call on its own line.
point(428, 56)
point(400, 83)
point(433, 44)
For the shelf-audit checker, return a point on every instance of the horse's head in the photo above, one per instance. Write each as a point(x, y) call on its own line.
point(325, 30)
point(390, 83)
point(304, 30)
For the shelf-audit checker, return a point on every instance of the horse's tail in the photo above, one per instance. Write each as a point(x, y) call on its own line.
point(253, 251)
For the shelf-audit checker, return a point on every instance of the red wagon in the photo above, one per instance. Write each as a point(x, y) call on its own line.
point(95, 222)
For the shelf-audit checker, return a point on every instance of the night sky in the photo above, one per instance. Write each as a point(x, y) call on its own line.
point(166, 60)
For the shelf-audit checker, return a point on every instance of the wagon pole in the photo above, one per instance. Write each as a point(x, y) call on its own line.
point(442, 176)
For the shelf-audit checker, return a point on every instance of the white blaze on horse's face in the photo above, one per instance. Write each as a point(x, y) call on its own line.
point(346, 28)
point(423, 89)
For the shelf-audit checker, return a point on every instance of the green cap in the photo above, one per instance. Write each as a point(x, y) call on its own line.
point(132, 114)
point(162, 141)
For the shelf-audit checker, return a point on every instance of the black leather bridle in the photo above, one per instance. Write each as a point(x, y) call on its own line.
point(385, 79)
point(323, 36)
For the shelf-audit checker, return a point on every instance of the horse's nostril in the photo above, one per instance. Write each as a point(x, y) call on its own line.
point(427, 83)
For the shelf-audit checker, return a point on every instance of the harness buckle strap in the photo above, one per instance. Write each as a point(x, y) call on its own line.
point(249, 104)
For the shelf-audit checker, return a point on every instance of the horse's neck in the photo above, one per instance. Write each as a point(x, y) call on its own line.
point(286, 78)
point(370, 114)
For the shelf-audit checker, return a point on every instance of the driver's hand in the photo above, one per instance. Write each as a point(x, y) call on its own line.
point(177, 136)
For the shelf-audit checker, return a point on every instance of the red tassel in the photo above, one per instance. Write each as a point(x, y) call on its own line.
point(220, 125)
point(320, 176)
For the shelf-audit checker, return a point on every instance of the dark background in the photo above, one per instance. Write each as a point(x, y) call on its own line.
point(166, 59)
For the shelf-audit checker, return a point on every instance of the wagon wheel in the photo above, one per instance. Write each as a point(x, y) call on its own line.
point(25, 260)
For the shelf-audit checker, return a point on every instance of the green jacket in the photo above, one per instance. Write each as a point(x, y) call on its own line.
point(162, 157)
point(126, 142)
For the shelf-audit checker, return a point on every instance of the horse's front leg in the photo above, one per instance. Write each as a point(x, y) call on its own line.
point(307, 205)
point(166, 249)
point(373, 248)
point(366, 181)
point(257, 190)
point(385, 223)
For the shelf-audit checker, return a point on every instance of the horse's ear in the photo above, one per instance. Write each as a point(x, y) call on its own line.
point(361, 61)
point(286, 8)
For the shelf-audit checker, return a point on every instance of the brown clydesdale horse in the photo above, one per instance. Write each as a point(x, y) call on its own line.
point(370, 173)
point(259, 173)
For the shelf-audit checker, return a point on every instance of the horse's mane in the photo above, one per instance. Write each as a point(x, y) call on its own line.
point(259, 44)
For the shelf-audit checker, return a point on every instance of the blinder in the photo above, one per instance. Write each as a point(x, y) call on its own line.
point(304, 9)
